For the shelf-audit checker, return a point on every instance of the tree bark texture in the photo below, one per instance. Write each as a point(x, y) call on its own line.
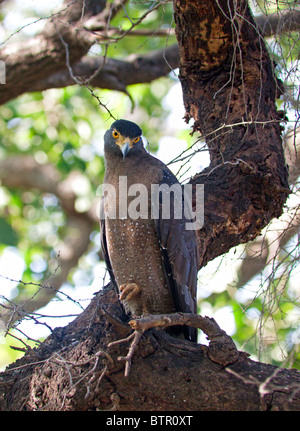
point(229, 90)
point(75, 370)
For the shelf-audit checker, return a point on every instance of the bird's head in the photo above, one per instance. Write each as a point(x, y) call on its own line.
point(122, 138)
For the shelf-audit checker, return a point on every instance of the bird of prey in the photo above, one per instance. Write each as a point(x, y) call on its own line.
point(151, 261)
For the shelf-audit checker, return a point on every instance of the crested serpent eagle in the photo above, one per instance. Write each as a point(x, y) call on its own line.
point(152, 261)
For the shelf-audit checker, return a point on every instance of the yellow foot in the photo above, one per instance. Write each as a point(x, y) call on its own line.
point(129, 291)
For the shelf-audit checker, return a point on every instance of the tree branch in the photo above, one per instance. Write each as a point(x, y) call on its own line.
point(63, 41)
point(221, 348)
point(69, 35)
point(114, 74)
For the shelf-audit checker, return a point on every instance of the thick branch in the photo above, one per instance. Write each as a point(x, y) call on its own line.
point(114, 74)
point(62, 43)
point(56, 56)
point(76, 360)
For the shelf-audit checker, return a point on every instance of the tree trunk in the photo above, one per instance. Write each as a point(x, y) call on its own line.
point(230, 90)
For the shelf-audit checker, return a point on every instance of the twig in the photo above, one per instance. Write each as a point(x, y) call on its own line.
point(79, 81)
point(132, 349)
point(136, 335)
point(139, 32)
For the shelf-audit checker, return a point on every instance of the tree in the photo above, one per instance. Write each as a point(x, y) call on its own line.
point(229, 89)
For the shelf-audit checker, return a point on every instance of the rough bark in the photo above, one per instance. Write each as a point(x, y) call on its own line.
point(28, 174)
point(57, 58)
point(229, 90)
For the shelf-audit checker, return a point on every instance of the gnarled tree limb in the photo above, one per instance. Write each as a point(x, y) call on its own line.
point(75, 370)
point(114, 74)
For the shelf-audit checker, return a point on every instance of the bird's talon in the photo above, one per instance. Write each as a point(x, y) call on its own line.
point(128, 291)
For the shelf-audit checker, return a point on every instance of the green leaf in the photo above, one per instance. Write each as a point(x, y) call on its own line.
point(8, 235)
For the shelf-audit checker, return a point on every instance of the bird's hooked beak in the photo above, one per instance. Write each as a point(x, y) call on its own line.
point(125, 148)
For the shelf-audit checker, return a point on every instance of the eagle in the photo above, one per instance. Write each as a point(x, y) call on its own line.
point(152, 260)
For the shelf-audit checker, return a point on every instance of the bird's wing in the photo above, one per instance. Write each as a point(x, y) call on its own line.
point(179, 255)
point(104, 245)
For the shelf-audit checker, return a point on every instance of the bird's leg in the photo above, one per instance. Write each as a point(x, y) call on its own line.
point(129, 291)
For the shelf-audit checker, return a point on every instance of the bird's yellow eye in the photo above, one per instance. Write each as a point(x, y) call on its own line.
point(136, 140)
point(115, 134)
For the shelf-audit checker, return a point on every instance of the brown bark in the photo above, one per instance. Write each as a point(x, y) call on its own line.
point(114, 74)
point(56, 57)
point(75, 370)
point(229, 90)
point(227, 80)
point(63, 42)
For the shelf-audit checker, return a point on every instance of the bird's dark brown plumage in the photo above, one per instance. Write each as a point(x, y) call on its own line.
point(152, 262)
